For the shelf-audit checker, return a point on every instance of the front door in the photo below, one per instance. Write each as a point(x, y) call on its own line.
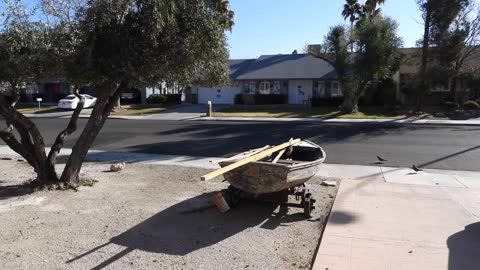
point(299, 91)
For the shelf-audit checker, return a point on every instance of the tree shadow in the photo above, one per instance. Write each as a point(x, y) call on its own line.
point(179, 230)
point(464, 248)
point(222, 139)
point(7, 192)
point(341, 217)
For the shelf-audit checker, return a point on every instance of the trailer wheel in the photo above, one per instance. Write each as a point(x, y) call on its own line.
point(308, 205)
point(234, 196)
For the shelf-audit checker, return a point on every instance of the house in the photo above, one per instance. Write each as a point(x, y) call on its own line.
point(438, 89)
point(298, 76)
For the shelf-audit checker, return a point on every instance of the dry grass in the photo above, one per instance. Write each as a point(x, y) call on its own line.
point(139, 111)
point(32, 109)
point(302, 112)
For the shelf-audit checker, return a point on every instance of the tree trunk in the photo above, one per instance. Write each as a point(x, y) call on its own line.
point(351, 37)
point(46, 174)
point(31, 145)
point(423, 68)
point(101, 111)
point(350, 104)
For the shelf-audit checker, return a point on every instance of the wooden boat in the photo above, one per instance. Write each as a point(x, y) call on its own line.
point(296, 166)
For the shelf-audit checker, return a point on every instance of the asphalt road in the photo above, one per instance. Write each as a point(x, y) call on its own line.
point(448, 147)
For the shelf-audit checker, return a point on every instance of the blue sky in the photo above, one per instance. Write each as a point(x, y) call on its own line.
point(281, 26)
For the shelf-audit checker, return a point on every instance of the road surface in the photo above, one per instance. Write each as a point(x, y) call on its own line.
point(439, 147)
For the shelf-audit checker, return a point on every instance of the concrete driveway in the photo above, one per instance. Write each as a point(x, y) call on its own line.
point(185, 112)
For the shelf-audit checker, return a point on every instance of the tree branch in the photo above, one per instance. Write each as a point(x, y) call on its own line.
point(72, 127)
point(113, 98)
point(7, 134)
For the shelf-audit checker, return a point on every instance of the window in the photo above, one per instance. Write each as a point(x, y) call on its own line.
point(336, 91)
point(252, 88)
point(277, 87)
point(264, 88)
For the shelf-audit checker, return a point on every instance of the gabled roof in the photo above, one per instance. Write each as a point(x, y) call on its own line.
point(280, 67)
point(238, 66)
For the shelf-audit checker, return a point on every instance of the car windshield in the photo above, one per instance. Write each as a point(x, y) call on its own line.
point(70, 97)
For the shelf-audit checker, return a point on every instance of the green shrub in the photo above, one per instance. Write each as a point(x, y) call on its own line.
point(239, 99)
point(324, 101)
point(174, 99)
point(471, 105)
point(270, 99)
point(157, 99)
point(450, 105)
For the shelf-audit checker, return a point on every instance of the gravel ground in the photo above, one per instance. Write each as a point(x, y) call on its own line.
point(140, 218)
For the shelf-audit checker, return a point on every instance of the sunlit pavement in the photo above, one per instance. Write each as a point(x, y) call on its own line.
point(394, 218)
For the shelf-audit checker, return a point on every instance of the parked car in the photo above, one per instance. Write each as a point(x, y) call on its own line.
point(71, 101)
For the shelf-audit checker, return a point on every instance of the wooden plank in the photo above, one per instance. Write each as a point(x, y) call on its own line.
point(279, 155)
point(245, 154)
point(275, 160)
point(255, 157)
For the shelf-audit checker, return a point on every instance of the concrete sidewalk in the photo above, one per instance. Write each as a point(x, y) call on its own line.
point(470, 122)
point(393, 218)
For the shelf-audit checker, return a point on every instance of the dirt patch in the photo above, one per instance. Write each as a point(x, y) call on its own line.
point(141, 218)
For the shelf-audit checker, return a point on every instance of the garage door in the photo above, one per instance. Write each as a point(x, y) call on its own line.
point(218, 95)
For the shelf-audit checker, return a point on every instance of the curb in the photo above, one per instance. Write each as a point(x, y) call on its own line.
point(349, 121)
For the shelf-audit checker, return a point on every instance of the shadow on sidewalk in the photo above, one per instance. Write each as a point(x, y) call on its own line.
point(464, 249)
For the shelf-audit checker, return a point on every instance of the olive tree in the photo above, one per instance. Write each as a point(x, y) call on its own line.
point(375, 60)
point(113, 45)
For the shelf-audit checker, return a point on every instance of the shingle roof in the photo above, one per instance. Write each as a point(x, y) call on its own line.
point(290, 66)
point(238, 66)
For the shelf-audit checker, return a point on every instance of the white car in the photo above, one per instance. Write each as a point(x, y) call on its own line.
point(71, 101)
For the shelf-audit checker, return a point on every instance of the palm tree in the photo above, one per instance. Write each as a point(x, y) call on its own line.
point(370, 9)
point(350, 11)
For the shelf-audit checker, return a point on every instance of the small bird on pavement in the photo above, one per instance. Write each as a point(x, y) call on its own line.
point(415, 168)
point(381, 159)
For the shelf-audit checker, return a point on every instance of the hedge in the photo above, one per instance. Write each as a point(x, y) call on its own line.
point(270, 99)
point(322, 101)
point(471, 105)
point(165, 99)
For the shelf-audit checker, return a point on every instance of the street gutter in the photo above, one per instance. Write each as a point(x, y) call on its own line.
point(347, 121)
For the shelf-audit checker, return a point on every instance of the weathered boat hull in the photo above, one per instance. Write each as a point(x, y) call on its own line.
point(265, 177)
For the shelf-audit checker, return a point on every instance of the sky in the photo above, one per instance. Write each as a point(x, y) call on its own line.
point(282, 26)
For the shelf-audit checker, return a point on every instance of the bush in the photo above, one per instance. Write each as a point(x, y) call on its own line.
point(270, 99)
point(322, 101)
point(239, 99)
point(174, 99)
point(165, 99)
point(157, 99)
point(450, 105)
point(471, 105)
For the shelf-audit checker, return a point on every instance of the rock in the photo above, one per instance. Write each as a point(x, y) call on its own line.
point(329, 183)
point(117, 167)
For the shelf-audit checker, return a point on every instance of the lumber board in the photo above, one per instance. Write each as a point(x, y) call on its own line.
point(277, 158)
point(279, 155)
point(253, 158)
point(245, 154)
